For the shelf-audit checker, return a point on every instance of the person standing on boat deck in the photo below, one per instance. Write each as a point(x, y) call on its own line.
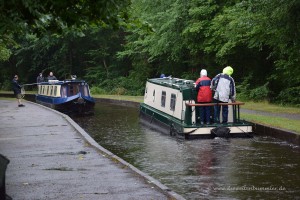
point(40, 78)
point(224, 87)
point(51, 76)
point(204, 96)
point(17, 90)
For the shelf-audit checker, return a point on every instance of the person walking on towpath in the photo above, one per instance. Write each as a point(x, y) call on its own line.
point(17, 90)
point(224, 87)
point(204, 96)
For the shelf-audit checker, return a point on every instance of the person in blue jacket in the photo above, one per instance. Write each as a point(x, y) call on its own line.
point(17, 90)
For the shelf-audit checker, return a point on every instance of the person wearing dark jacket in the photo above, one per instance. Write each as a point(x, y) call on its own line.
point(204, 96)
point(40, 78)
point(51, 76)
point(224, 87)
point(17, 90)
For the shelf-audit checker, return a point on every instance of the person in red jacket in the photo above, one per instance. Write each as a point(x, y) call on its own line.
point(204, 96)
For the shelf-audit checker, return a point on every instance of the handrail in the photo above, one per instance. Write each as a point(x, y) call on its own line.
point(214, 104)
point(235, 107)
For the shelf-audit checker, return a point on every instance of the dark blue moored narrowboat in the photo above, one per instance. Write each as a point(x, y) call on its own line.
point(169, 106)
point(66, 96)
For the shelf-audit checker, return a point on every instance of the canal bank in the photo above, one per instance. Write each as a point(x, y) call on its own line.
point(51, 157)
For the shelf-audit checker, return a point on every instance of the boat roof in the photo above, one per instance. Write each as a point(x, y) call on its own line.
point(175, 83)
point(57, 82)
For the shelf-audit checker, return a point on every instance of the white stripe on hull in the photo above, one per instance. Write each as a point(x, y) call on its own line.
point(206, 130)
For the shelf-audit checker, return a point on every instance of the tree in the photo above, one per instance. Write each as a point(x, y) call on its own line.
point(55, 16)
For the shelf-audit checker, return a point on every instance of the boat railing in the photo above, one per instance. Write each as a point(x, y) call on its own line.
point(235, 108)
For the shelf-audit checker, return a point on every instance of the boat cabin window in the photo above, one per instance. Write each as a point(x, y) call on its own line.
point(163, 99)
point(73, 89)
point(173, 102)
point(64, 91)
point(84, 90)
point(153, 95)
point(46, 90)
point(146, 91)
point(55, 91)
point(51, 91)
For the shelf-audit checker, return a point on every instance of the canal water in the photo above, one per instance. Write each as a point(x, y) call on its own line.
point(256, 168)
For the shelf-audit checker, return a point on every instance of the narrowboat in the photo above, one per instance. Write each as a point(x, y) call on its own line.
point(68, 96)
point(169, 106)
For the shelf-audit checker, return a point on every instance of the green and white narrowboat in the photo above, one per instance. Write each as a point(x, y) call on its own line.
point(169, 106)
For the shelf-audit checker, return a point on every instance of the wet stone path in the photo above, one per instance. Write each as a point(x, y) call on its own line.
point(50, 159)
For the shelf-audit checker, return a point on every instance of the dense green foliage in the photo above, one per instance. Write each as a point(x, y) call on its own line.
point(260, 39)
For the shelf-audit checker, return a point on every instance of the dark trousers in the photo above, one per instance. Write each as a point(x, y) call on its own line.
point(204, 113)
point(217, 110)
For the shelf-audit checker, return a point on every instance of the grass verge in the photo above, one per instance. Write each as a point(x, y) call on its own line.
point(121, 97)
point(273, 108)
point(6, 98)
point(278, 122)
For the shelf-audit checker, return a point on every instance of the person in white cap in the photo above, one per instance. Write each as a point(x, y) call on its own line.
point(204, 96)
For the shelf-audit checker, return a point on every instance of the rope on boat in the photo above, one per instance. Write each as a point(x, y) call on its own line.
point(246, 133)
point(30, 84)
point(23, 92)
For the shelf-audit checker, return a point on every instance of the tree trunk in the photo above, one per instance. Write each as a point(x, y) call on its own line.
point(106, 68)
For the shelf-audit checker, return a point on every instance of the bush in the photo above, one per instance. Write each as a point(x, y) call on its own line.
point(289, 96)
point(243, 88)
point(119, 91)
point(245, 92)
point(97, 90)
point(260, 93)
point(6, 85)
point(190, 76)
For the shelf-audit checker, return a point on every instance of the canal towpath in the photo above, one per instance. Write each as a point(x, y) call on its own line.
point(51, 157)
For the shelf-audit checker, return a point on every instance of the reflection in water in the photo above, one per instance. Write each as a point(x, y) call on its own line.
point(258, 168)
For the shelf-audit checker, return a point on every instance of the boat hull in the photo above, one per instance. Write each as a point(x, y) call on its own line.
point(169, 125)
point(67, 105)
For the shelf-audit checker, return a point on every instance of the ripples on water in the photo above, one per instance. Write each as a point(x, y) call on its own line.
point(257, 168)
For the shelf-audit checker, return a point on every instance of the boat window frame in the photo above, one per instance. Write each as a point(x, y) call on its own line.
point(163, 99)
point(73, 89)
point(84, 89)
point(153, 95)
point(173, 102)
point(64, 91)
point(47, 90)
point(43, 90)
point(146, 91)
point(51, 91)
point(55, 90)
